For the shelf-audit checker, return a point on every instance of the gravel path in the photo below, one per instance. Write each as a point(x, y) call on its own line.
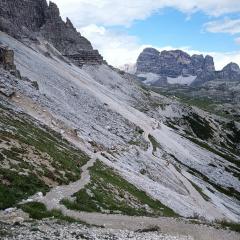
point(53, 198)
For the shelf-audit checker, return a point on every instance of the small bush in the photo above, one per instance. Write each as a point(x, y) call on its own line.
point(230, 225)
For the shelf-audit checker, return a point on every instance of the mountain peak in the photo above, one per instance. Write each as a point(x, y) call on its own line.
point(151, 51)
point(33, 18)
point(53, 11)
point(231, 67)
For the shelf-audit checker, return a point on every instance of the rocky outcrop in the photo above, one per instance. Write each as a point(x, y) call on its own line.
point(7, 60)
point(173, 63)
point(91, 57)
point(35, 18)
point(231, 72)
point(7, 83)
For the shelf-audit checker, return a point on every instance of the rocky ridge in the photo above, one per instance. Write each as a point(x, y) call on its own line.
point(34, 19)
point(176, 63)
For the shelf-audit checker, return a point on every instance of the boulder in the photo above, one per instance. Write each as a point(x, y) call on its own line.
point(7, 58)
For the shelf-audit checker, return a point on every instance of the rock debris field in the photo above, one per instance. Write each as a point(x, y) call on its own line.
point(49, 230)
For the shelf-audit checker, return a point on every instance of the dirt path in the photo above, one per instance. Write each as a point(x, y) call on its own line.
point(169, 226)
point(53, 198)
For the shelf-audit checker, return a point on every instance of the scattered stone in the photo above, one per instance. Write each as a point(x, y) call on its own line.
point(62, 230)
point(9, 210)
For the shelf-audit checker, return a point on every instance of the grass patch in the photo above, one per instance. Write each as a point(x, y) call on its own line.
point(20, 187)
point(44, 140)
point(46, 145)
point(39, 211)
point(109, 191)
point(230, 225)
point(229, 191)
point(186, 97)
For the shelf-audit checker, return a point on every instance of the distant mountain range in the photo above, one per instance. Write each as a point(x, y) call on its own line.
point(190, 78)
point(177, 67)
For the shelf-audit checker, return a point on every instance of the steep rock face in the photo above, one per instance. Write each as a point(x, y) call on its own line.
point(230, 72)
point(209, 64)
point(63, 35)
point(22, 18)
point(34, 18)
point(173, 63)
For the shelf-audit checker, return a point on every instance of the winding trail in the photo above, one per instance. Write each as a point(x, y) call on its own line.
point(171, 226)
point(53, 198)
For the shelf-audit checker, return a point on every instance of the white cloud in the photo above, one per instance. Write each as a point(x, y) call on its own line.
point(226, 25)
point(124, 12)
point(237, 40)
point(119, 48)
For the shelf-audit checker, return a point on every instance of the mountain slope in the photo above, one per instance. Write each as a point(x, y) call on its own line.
point(101, 108)
point(33, 158)
point(165, 157)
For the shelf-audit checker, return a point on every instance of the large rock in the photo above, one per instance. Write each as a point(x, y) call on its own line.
point(35, 18)
point(7, 58)
point(7, 61)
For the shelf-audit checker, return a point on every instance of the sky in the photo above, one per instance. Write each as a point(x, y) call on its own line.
point(121, 29)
